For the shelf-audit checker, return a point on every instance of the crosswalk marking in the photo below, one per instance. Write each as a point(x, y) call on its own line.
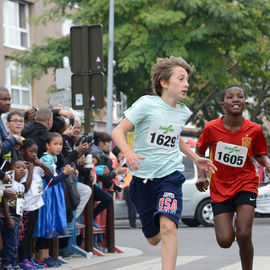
point(155, 264)
point(259, 263)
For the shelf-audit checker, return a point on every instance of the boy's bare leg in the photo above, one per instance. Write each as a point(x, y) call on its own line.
point(168, 234)
point(225, 234)
point(245, 214)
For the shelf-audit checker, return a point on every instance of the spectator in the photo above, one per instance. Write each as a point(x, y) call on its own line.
point(12, 212)
point(52, 219)
point(7, 143)
point(35, 170)
point(70, 154)
point(126, 178)
point(38, 129)
point(15, 124)
point(30, 114)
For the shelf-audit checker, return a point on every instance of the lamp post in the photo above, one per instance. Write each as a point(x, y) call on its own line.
point(110, 69)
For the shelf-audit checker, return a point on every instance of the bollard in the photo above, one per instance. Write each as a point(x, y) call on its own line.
point(88, 213)
point(110, 227)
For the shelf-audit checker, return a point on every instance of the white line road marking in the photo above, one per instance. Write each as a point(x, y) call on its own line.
point(259, 263)
point(155, 264)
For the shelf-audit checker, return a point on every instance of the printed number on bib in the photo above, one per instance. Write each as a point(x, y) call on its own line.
point(230, 154)
point(163, 136)
point(37, 187)
point(19, 206)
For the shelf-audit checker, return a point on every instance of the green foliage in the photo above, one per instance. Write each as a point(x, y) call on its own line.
point(225, 41)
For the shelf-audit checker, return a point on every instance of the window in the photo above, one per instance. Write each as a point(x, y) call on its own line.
point(20, 90)
point(16, 28)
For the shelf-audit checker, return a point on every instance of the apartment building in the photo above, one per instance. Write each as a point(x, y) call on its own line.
point(17, 33)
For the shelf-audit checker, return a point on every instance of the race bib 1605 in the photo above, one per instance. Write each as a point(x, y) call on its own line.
point(230, 154)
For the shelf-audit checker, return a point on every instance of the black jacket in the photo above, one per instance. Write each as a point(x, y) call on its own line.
point(38, 133)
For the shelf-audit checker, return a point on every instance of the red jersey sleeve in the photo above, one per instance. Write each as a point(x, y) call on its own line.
point(260, 145)
point(203, 142)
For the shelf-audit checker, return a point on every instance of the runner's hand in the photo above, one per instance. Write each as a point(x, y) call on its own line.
point(205, 164)
point(202, 184)
point(132, 160)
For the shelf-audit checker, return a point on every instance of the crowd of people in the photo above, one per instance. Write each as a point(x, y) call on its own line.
point(44, 179)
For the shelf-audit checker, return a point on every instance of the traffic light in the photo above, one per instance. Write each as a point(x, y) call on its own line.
point(86, 48)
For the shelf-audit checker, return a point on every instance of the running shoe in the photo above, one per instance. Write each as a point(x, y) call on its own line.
point(54, 261)
point(26, 265)
point(49, 262)
point(38, 266)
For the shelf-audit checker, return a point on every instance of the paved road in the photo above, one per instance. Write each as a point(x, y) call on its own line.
point(198, 250)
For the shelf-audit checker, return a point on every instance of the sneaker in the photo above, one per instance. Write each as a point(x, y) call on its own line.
point(79, 225)
point(54, 261)
point(38, 266)
point(26, 265)
point(49, 263)
point(40, 263)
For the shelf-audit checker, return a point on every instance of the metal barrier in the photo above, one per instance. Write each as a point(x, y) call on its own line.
point(88, 247)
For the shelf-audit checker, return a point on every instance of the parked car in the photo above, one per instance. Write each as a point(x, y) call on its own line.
point(197, 207)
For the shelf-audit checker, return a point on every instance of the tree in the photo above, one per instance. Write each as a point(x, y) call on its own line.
point(225, 41)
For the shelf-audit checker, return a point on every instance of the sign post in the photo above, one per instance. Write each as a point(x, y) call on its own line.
point(87, 89)
point(87, 67)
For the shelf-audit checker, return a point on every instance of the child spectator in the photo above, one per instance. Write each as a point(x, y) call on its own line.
point(33, 201)
point(52, 220)
point(12, 219)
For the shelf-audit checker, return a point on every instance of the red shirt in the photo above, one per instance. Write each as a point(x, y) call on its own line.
point(231, 153)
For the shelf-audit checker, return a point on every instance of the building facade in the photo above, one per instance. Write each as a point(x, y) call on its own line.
point(18, 32)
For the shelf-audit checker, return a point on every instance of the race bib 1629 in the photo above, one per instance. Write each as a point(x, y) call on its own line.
point(164, 136)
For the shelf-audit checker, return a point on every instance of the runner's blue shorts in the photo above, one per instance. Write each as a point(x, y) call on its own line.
point(158, 196)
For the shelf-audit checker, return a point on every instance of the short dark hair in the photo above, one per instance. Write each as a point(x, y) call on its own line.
point(43, 115)
point(10, 114)
point(233, 86)
point(59, 124)
point(27, 143)
point(101, 137)
point(52, 135)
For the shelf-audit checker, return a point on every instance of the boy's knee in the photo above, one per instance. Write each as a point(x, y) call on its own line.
point(168, 227)
point(224, 243)
point(154, 240)
point(243, 238)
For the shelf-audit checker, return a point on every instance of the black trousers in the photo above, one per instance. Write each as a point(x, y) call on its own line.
point(25, 240)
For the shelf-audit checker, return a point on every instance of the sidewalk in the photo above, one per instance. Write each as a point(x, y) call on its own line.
point(78, 262)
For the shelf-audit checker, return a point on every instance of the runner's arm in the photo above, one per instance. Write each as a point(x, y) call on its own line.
point(264, 161)
point(118, 136)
